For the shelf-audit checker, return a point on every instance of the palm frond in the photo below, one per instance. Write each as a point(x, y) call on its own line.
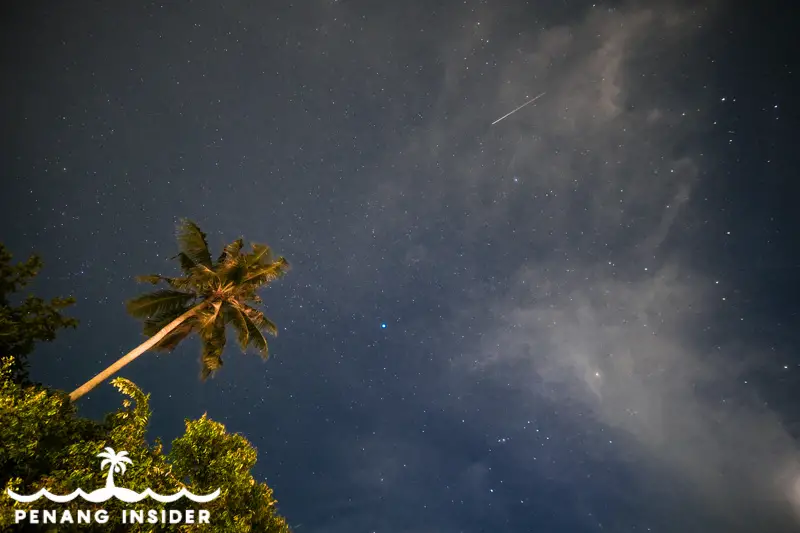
point(235, 317)
point(255, 337)
point(187, 284)
point(207, 316)
point(231, 251)
point(192, 242)
point(210, 362)
point(203, 278)
point(248, 295)
point(181, 284)
point(153, 279)
point(158, 302)
point(155, 324)
point(261, 255)
point(174, 337)
point(268, 273)
point(213, 340)
point(260, 320)
point(186, 262)
point(232, 270)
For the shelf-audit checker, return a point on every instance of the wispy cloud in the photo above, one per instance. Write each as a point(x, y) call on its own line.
point(587, 199)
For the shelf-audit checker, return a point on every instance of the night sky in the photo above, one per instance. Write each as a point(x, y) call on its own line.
point(582, 318)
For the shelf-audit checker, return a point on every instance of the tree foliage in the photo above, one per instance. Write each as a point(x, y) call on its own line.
point(46, 445)
point(32, 319)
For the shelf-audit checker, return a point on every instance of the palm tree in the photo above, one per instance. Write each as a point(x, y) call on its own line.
point(209, 297)
point(116, 463)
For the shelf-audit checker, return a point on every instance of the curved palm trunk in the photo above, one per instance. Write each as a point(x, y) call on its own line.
point(133, 354)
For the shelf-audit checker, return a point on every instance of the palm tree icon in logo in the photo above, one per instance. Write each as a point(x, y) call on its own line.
point(116, 463)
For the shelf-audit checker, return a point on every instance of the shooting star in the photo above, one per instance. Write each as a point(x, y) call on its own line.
point(517, 109)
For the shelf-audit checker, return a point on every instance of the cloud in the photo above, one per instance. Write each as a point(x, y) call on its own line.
point(583, 200)
point(607, 312)
point(610, 314)
point(623, 347)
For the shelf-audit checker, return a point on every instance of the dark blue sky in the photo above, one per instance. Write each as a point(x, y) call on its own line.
point(590, 307)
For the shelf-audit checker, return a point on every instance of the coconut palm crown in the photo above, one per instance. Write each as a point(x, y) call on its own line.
point(227, 287)
point(206, 299)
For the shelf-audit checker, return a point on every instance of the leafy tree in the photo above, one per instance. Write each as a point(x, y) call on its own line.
point(208, 297)
point(45, 445)
point(33, 320)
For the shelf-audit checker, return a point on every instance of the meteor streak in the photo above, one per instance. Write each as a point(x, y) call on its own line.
point(517, 109)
